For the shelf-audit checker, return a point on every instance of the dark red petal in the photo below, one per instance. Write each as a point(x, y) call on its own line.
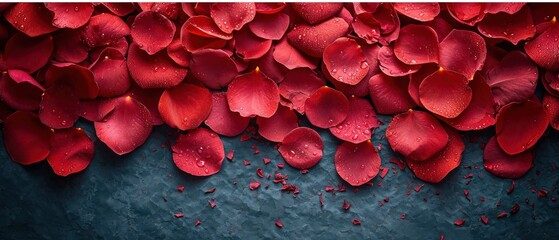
point(362, 7)
point(467, 13)
point(513, 28)
point(26, 138)
point(390, 95)
point(551, 82)
point(121, 45)
point(70, 15)
point(417, 135)
point(357, 127)
point(194, 42)
point(520, 125)
point(298, 86)
point(20, 91)
point(5, 111)
point(78, 78)
point(463, 51)
point(185, 106)
point(326, 107)
point(544, 49)
point(544, 12)
point(71, 151)
point(501, 164)
point(200, 152)
point(497, 7)
point(152, 31)
point(439, 166)
point(253, 94)
point(120, 8)
point(391, 66)
point(170, 10)
point(270, 26)
point(423, 12)
point(551, 105)
point(232, 16)
point(359, 90)
point(387, 17)
point(441, 26)
point(269, 7)
point(417, 44)
point(59, 107)
point(417, 78)
point(493, 59)
point(21, 48)
point(104, 29)
point(249, 46)
point(203, 63)
point(312, 40)
point(270, 67)
point(68, 46)
point(514, 79)
point(150, 99)
point(345, 61)
point(277, 126)
point(222, 120)
point(111, 73)
point(33, 19)
point(90, 109)
point(316, 12)
point(286, 55)
point(178, 53)
point(302, 148)
point(357, 163)
point(153, 71)
point(125, 127)
point(445, 93)
point(480, 113)
point(205, 27)
point(366, 27)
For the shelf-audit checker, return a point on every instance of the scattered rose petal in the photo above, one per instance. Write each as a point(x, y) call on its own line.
point(71, 151)
point(249, 46)
point(276, 127)
point(391, 66)
point(345, 61)
point(445, 93)
point(20, 91)
point(423, 12)
point(501, 164)
point(357, 163)
point(68, 46)
point(232, 16)
point(59, 107)
point(253, 94)
point(185, 106)
point(21, 48)
point(270, 26)
point(152, 31)
point(390, 94)
point(70, 15)
point(359, 123)
point(80, 79)
point(33, 19)
point(417, 44)
point(222, 120)
point(513, 28)
point(104, 29)
point(285, 54)
point(202, 66)
point(463, 51)
point(326, 107)
point(312, 40)
point(466, 13)
point(26, 139)
point(315, 13)
point(200, 152)
point(153, 71)
point(111, 73)
point(302, 148)
point(299, 84)
point(253, 186)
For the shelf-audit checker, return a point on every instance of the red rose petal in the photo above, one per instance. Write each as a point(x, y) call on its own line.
point(111, 73)
point(20, 91)
point(203, 26)
point(362, 7)
point(269, 26)
point(199, 152)
point(312, 40)
point(153, 71)
point(302, 148)
point(178, 53)
point(152, 31)
point(501, 164)
point(270, 67)
point(120, 8)
point(506, 7)
point(441, 26)
point(462, 51)
point(514, 79)
point(315, 13)
point(203, 63)
point(76, 77)
point(169, 10)
point(222, 120)
point(417, 44)
point(326, 107)
point(286, 55)
point(345, 61)
point(367, 27)
point(551, 105)
point(185, 106)
point(70, 15)
point(104, 29)
point(150, 99)
point(520, 125)
point(253, 94)
point(20, 48)
point(417, 135)
point(480, 113)
point(249, 46)
point(90, 109)
point(125, 127)
point(459, 222)
point(26, 138)
point(357, 127)
point(544, 49)
point(357, 163)
point(551, 83)
point(359, 90)
point(298, 86)
point(232, 16)
point(513, 28)
point(71, 151)
point(68, 46)
point(5, 111)
point(467, 13)
point(279, 125)
point(390, 65)
point(445, 93)
point(121, 45)
point(389, 23)
point(59, 107)
point(423, 12)
point(33, 19)
point(436, 168)
point(390, 95)
point(417, 78)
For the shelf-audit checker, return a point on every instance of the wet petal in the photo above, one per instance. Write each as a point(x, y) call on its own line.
point(269, 7)
point(466, 13)
point(71, 151)
point(33, 19)
point(111, 73)
point(222, 120)
point(544, 49)
point(345, 61)
point(149, 98)
point(68, 46)
point(279, 125)
point(513, 28)
point(357, 163)
point(59, 107)
point(285, 54)
point(423, 12)
point(551, 83)
point(232, 16)
point(185, 106)
point(312, 40)
point(359, 123)
point(417, 78)
point(506, 7)
point(551, 105)
point(253, 94)
point(104, 29)
point(20, 48)
point(153, 71)
point(326, 107)
point(70, 15)
point(249, 46)
point(417, 44)
point(78, 78)
point(302, 148)
point(445, 93)
point(316, 12)
point(178, 53)
point(366, 27)
point(120, 8)
point(20, 91)
point(152, 31)
point(298, 86)
point(270, 26)
point(392, 66)
point(390, 95)
point(463, 52)
point(200, 152)
point(203, 63)
point(501, 164)
point(26, 138)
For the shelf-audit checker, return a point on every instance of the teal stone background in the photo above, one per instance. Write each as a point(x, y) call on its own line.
point(121, 197)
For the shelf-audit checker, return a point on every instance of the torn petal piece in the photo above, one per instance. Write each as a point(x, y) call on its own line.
point(200, 152)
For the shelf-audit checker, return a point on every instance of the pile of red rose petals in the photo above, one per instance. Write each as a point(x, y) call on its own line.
point(207, 69)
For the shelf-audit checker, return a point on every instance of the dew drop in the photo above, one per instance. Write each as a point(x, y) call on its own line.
point(200, 163)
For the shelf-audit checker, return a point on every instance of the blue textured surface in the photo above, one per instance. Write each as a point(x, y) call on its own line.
point(121, 197)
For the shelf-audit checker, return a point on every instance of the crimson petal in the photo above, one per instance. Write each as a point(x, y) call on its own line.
point(298, 86)
point(345, 61)
point(20, 48)
point(417, 44)
point(510, 8)
point(178, 53)
point(152, 31)
point(501, 164)
point(551, 105)
point(391, 66)
point(68, 46)
point(312, 40)
point(249, 46)
point(104, 29)
point(111, 73)
point(253, 94)
point(78, 78)
point(59, 107)
point(513, 28)
point(423, 12)
point(120, 8)
point(150, 99)
point(125, 127)
point(357, 163)
point(520, 125)
point(445, 93)
point(366, 27)
point(467, 13)
point(417, 135)
point(70, 15)
point(205, 27)
point(269, 7)
point(153, 71)
point(71, 151)
point(222, 120)
point(316, 12)
point(463, 51)
point(357, 127)
point(417, 78)
point(185, 106)
point(285, 54)
point(277, 126)
point(302, 148)
point(326, 107)
point(544, 49)
point(551, 82)
point(199, 152)
point(33, 19)
point(203, 63)
point(270, 26)
point(390, 95)
point(20, 91)
point(232, 16)
point(26, 138)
